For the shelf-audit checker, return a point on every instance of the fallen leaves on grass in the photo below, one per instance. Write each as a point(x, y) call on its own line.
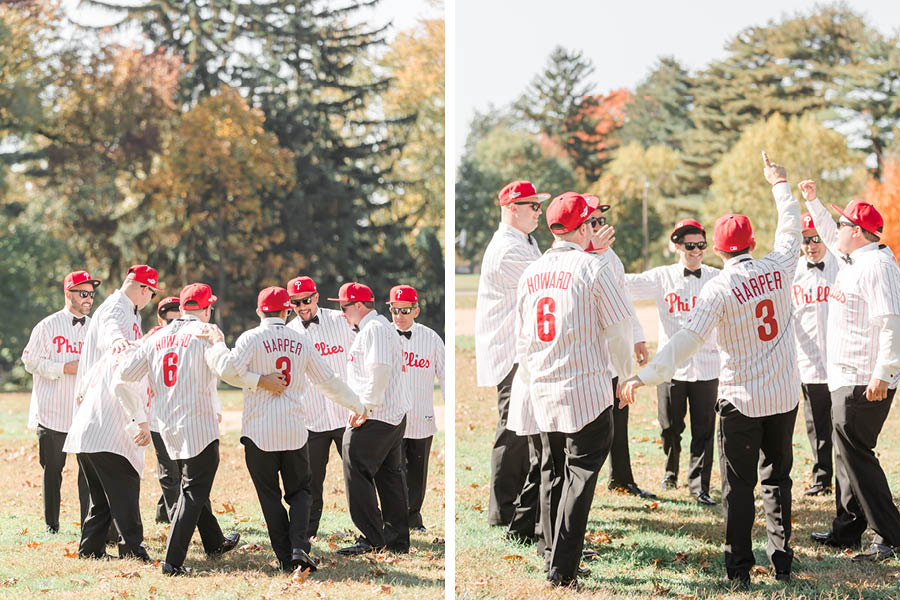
point(69, 553)
point(386, 589)
point(474, 485)
point(128, 574)
point(31, 485)
point(438, 541)
point(9, 581)
point(660, 589)
point(81, 581)
point(638, 440)
point(24, 531)
point(478, 507)
point(654, 505)
point(759, 570)
point(681, 556)
point(227, 507)
point(598, 537)
point(34, 545)
point(513, 557)
point(251, 548)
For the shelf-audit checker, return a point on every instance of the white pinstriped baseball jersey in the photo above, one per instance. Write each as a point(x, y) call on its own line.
point(749, 305)
point(828, 231)
point(508, 254)
point(423, 360)
point(153, 407)
point(809, 293)
point(618, 271)
point(183, 385)
point(277, 423)
point(521, 413)
point(566, 299)
point(331, 338)
point(117, 318)
point(378, 343)
point(863, 293)
point(676, 295)
point(99, 425)
point(54, 341)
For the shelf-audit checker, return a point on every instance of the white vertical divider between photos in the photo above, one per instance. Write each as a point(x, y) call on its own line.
point(449, 300)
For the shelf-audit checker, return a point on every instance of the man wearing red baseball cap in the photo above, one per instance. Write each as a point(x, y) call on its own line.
point(573, 324)
point(184, 388)
point(675, 289)
point(748, 307)
point(326, 331)
point(511, 249)
point(373, 459)
point(863, 368)
point(423, 362)
point(271, 449)
point(52, 356)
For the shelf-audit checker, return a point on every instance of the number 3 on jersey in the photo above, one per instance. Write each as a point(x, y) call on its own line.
point(546, 320)
point(766, 311)
point(283, 364)
point(170, 369)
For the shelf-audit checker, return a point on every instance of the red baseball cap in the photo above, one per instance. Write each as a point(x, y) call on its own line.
point(863, 214)
point(354, 292)
point(808, 222)
point(520, 191)
point(196, 296)
point(77, 278)
point(403, 293)
point(167, 304)
point(144, 275)
point(273, 299)
point(569, 210)
point(732, 233)
point(301, 285)
point(595, 203)
point(685, 226)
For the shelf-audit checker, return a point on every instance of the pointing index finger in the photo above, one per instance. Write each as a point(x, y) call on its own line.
point(766, 160)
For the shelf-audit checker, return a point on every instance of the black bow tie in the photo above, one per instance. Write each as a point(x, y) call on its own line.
point(819, 265)
point(408, 334)
point(688, 273)
point(846, 258)
point(77, 321)
point(530, 239)
point(135, 311)
point(356, 328)
point(306, 324)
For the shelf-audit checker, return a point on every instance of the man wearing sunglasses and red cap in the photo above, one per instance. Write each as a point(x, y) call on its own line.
point(326, 331)
point(51, 356)
point(184, 387)
point(273, 430)
point(863, 366)
point(573, 327)
point(372, 448)
point(423, 362)
point(748, 306)
point(509, 252)
point(675, 289)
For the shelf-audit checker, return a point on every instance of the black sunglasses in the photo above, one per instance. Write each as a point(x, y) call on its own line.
point(596, 222)
point(83, 293)
point(535, 206)
point(344, 307)
point(843, 223)
point(402, 311)
point(152, 293)
point(813, 238)
point(307, 300)
point(692, 245)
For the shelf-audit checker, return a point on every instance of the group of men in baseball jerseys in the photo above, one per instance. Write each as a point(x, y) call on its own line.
point(103, 391)
point(555, 330)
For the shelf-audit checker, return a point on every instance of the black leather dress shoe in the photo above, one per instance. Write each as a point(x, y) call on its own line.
point(739, 581)
point(875, 553)
point(783, 576)
point(419, 528)
point(518, 538)
point(299, 558)
point(141, 553)
point(173, 571)
point(589, 554)
point(52, 529)
point(554, 578)
point(633, 489)
point(104, 556)
point(230, 543)
point(362, 546)
point(827, 539)
point(704, 499)
point(669, 482)
point(817, 490)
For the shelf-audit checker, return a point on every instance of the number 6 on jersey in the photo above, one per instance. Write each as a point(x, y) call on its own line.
point(546, 321)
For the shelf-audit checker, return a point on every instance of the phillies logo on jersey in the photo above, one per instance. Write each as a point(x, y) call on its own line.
point(61, 342)
point(324, 349)
point(410, 360)
point(677, 303)
point(137, 331)
point(802, 296)
point(838, 295)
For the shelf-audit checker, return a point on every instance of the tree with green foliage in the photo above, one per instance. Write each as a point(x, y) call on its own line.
point(658, 111)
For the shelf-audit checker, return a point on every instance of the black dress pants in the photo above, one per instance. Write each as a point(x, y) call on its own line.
point(373, 470)
point(526, 520)
point(578, 457)
point(193, 511)
point(53, 460)
point(817, 411)
point(509, 460)
point(620, 473)
point(115, 489)
point(672, 407)
point(751, 447)
point(169, 480)
point(287, 530)
point(319, 445)
point(415, 464)
point(862, 495)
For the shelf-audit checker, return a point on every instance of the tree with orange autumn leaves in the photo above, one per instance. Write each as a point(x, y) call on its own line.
point(884, 193)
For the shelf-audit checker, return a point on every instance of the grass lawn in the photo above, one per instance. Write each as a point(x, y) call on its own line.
point(668, 549)
point(35, 564)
